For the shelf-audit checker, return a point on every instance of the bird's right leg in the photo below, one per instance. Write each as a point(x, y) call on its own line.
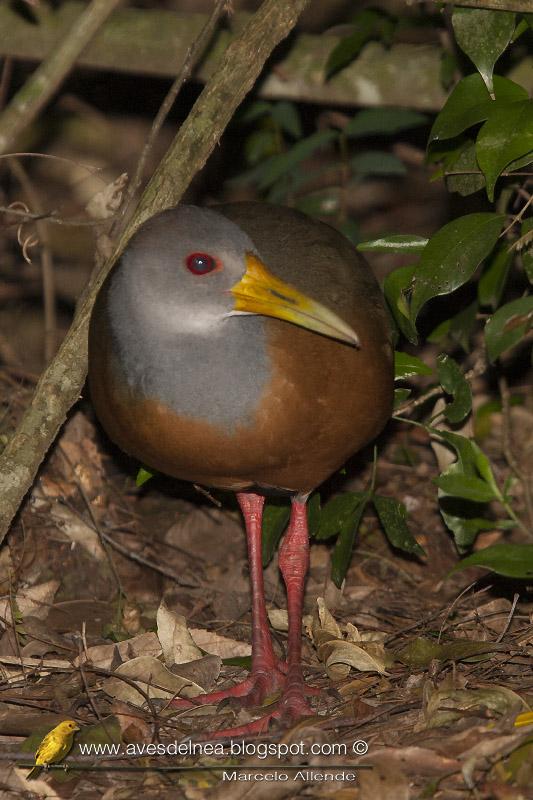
point(267, 674)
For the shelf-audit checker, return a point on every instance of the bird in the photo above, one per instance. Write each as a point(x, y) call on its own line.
point(246, 347)
point(54, 747)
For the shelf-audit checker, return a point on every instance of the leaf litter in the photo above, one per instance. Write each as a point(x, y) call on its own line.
point(430, 673)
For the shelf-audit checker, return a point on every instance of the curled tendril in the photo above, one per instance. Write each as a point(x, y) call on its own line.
point(26, 241)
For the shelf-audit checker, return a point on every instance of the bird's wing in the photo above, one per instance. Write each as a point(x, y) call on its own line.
point(44, 748)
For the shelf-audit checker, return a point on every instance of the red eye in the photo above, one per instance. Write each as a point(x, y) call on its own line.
point(200, 263)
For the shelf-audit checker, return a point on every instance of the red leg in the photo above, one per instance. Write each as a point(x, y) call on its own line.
point(266, 676)
point(294, 564)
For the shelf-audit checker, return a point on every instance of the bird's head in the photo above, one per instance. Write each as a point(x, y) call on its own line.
point(194, 269)
point(67, 727)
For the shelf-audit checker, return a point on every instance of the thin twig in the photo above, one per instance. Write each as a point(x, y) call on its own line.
point(478, 369)
point(509, 618)
point(192, 57)
point(517, 217)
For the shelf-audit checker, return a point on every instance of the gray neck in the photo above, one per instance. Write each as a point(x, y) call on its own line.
point(217, 376)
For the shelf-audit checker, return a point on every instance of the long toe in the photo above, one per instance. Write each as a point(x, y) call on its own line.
point(255, 690)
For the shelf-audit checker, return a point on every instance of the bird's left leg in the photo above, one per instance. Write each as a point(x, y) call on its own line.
point(294, 565)
point(267, 674)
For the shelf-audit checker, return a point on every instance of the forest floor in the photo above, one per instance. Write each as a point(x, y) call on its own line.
point(433, 669)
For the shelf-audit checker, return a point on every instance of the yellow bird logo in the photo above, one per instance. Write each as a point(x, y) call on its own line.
point(54, 747)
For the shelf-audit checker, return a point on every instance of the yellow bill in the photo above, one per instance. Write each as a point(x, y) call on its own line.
point(260, 292)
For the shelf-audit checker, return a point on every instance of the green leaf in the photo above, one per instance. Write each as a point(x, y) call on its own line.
point(313, 514)
point(395, 243)
point(143, 476)
point(461, 517)
point(377, 162)
point(406, 365)
point(470, 103)
point(492, 282)
point(521, 28)
point(369, 24)
point(454, 383)
point(508, 326)
point(400, 396)
point(280, 165)
point(510, 560)
point(470, 488)
point(337, 513)
point(506, 136)
point(452, 256)
point(275, 520)
point(393, 516)
point(470, 458)
point(287, 116)
point(458, 328)
point(383, 122)
point(464, 161)
point(483, 35)
point(462, 514)
point(342, 553)
point(527, 248)
point(395, 287)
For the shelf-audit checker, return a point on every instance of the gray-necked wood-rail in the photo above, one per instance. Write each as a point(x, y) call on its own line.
point(246, 347)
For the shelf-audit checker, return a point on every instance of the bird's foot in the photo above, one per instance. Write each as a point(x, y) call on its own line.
point(255, 690)
point(293, 706)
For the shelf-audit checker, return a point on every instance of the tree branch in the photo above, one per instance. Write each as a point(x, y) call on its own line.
point(492, 5)
point(39, 88)
point(60, 385)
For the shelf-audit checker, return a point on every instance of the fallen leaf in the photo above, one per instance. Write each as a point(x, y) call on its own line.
point(444, 705)
point(217, 645)
point(339, 655)
point(176, 640)
point(106, 656)
point(34, 601)
point(153, 678)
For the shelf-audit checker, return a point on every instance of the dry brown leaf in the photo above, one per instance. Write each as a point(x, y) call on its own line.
point(106, 656)
point(384, 781)
point(340, 655)
point(176, 640)
point(78, 531)
point(106, 202)
point(279, 619)
point(153, 678)
point(34, 601)
point(218, 645)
